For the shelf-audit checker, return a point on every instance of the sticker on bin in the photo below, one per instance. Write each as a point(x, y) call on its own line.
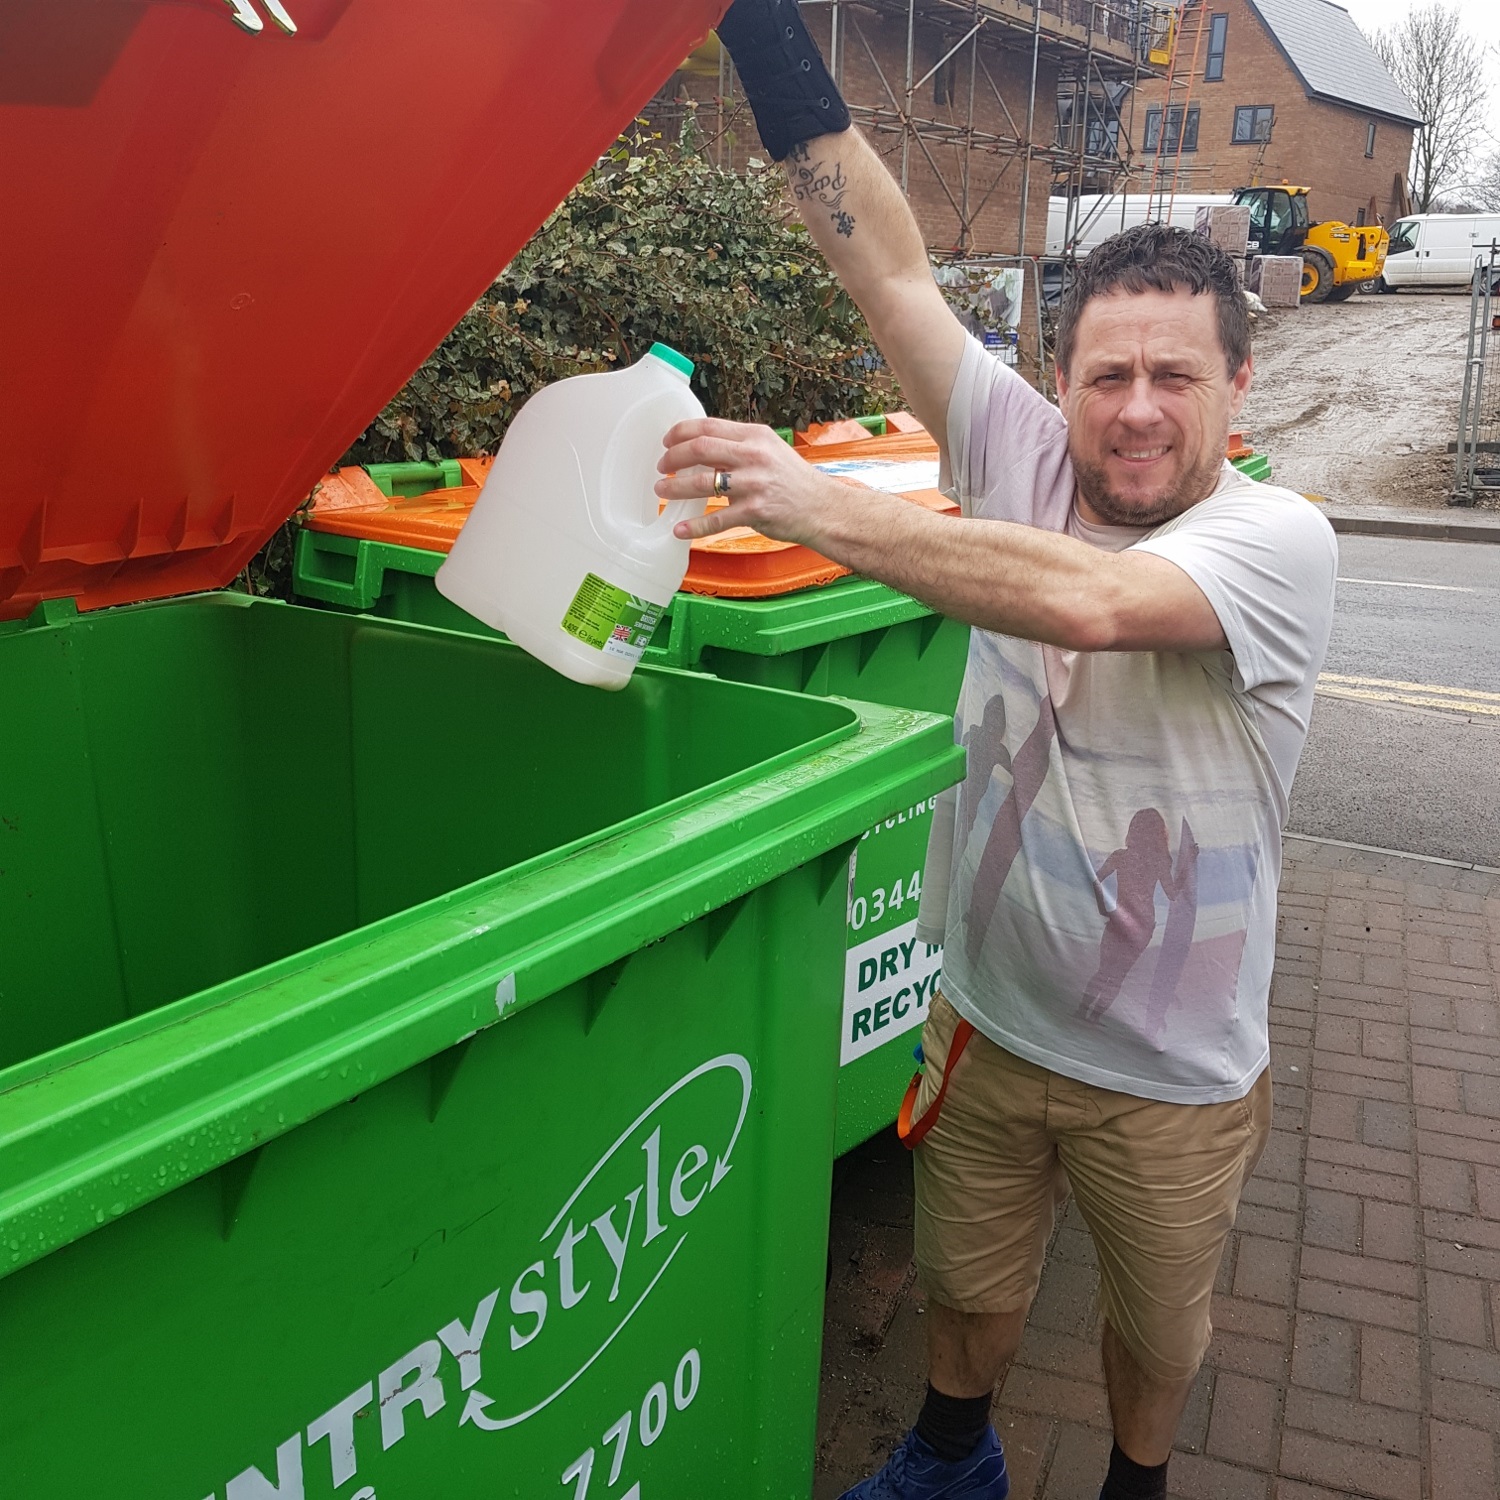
point(894, 476)
point(888, 982)
point(611, 620)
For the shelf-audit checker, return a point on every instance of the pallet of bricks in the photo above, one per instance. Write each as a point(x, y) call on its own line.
point(1227, 225)
point(1276, 279)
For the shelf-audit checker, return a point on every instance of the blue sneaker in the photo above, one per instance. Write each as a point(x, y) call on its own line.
point(915, 1472)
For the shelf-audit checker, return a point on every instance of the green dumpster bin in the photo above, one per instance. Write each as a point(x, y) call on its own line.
point(852, 639)
point(417, 1071)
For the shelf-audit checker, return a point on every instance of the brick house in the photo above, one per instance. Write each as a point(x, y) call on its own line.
point(1286, 91)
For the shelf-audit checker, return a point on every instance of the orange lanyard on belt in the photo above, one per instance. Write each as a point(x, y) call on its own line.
point(911, 1133)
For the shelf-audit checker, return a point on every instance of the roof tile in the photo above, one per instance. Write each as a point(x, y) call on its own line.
point(1332, 56)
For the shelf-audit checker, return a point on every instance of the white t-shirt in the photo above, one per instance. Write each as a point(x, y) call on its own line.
point(1104, 880)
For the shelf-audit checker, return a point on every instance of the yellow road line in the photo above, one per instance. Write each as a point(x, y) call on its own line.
point(1410, 694)
point(1396, 685)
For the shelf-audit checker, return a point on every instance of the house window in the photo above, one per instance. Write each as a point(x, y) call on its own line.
point(1171, 145)
point(1218, 34)
point(1370, 139)
point(1252, 124)
point(1103, 137)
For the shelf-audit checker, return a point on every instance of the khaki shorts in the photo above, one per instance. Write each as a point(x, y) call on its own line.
point(1158, 1185)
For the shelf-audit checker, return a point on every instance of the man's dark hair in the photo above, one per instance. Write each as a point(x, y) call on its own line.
point(1158, 258)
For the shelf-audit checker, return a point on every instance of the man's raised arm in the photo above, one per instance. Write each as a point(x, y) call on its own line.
point(848, 200)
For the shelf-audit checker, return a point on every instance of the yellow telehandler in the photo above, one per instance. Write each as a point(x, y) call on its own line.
point(1337, 259)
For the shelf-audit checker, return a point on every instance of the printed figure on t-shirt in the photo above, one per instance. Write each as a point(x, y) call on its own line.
point(1177, 939)
point(1028, 773)
point(985, 744)
point(1138, 869)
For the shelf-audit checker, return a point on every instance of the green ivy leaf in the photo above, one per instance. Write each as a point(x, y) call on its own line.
point(655, 242)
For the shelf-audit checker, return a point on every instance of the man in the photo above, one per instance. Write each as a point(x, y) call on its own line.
point(1148, 629)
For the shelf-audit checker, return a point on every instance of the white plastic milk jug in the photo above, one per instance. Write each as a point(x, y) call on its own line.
point(566, 549)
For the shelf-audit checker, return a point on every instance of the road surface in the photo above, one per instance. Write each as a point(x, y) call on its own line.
point(1404, 751)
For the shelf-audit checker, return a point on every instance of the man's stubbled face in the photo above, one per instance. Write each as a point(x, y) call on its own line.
point(1149, 401)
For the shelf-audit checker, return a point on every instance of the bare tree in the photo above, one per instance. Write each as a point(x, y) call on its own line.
point(1441, 69)
point(1483, 189)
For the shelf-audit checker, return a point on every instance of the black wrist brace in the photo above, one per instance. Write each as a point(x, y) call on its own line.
point(786, 81)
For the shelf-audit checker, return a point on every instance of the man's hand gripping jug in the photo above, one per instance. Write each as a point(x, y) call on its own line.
point(567, 550)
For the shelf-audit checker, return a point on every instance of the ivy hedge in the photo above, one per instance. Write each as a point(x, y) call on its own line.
point(655, 243)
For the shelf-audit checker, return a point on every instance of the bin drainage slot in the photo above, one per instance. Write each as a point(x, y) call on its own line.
point(717, 923)
point(441, 1071)
point(234, 1178)
point(598, 987)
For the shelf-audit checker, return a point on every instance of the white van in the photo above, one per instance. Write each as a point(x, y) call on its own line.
point(1438, 250)
point(1096, 216)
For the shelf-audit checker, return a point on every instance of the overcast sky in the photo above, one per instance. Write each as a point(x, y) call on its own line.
point(1481, 17)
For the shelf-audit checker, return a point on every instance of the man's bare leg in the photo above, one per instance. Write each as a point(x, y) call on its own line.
point(967, 1352)
point(1145, 1410)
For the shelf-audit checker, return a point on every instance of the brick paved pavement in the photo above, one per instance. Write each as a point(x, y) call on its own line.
point(1357, 1317)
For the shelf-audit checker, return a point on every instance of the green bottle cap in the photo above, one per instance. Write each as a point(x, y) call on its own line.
point(670, 356)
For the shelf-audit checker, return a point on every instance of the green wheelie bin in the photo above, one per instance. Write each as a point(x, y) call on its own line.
point(417, 1072)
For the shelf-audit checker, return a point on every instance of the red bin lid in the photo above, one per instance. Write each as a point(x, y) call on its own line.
point(229, 243)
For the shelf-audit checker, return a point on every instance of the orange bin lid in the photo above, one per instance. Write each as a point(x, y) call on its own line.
point(235, 245)
point(738, 564)
point(350, 503)
point(741, 564)
point(825, 434)
point(902, 421)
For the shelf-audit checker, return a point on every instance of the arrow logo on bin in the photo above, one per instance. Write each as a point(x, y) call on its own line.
point(474, 1407)
point(731, 1060)
point(585, 1241)
point(579, 1278)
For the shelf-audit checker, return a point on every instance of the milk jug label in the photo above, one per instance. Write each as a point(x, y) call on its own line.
point(610, 620)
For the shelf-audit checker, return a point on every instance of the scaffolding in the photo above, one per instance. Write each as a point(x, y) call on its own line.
point(1175, 120)
point(1083, 139)
point(955, 117)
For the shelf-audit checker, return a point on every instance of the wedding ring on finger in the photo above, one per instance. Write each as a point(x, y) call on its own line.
point(721, 483)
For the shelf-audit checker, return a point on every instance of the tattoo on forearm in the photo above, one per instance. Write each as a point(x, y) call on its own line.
point(812, 182)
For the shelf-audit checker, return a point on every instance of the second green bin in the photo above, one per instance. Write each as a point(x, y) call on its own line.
point(852, 639)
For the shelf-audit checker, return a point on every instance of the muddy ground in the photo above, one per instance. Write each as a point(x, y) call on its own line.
point(1358, 401)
